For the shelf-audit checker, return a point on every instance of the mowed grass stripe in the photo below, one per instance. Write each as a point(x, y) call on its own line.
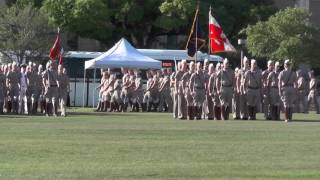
point(154, 146)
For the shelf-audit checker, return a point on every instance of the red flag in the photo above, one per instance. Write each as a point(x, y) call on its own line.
point(56, 48)
point(218, 40)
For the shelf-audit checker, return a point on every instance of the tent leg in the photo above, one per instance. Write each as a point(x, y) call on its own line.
point(83, 89)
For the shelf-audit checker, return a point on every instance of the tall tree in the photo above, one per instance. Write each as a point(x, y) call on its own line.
point(144, 20)
point(24, 33)
point(287, 34)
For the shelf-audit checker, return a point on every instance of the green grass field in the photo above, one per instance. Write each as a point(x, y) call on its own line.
point(154, 146)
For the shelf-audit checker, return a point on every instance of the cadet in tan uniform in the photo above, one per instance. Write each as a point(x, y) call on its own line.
point(104, 78)
point(182, 109)
point(236, 95)
point(124, 91)
point(225, 83)
point(210, 85)
point(164, 90)
point(174, 91)
point(252, 85)
point(23, 102)
point(302, 99)
point(198, 91)
point(273, 92)
point(185, 81)
point(147, 97)
point(64, 88)
point(13, 84)
point(138, 91)
point(33, 88)
point(243, 97)
point(266, 97)
point(50, 83)
point(2, 89)
point(216, 98)
point(115, 98)
point(287, 88)
point(313, 94)
point(42, 98)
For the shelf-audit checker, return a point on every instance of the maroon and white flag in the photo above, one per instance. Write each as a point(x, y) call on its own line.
point(218, 40)
point(55, 51)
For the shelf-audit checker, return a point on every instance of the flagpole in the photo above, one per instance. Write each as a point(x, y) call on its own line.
point(209, 41)
point(197, 21)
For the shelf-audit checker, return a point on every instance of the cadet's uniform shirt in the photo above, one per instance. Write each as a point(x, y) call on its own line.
point(253, 80)
point(226, 80)
point(287, 78)
point(50, 77)
point(2, 87)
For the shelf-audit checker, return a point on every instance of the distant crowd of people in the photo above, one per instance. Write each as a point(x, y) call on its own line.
point(28, 89)
point(204, 91)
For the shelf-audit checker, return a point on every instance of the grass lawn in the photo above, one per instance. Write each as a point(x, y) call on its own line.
point(154, 146)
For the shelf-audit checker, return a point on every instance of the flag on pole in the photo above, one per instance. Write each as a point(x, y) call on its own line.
point(197, 38)
point(56, 48)
point(218, 40)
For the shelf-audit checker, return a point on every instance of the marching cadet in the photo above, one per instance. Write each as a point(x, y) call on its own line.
point(185, 81)
point(23, 103)
point(266, 98)
point(147, 101)
point(243, 97)
point(33, 88)
point(154, 90)
point(313, 94)
point(252, 85)
point(182, 110)
point(103, 79)
point(174, 91)
point(197, 89)
point(51, 83)
point(104, 89)
point(41, 87)
point(273, 92)
point(210, 85)
point(115, 98)
point(216, 98)
point(302, 99)
point(164, 91)
point(287, 87)
point(64, 88)
point(236, 95)
point(2, 89)
point(138, 91)
point(225, 83)
point(124, 91)
point(13, 84)
point(130, 89)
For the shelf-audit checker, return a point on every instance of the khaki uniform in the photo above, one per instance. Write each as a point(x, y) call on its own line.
point(185, 80)
point(179, 88)
point(13, 85)
point(23, 100)
point(274, 97)
point(302, 87)
point(252, 89)
point(265, 95)
point(116, 92)
point(165, 93)
point(236, 97)
point(34, 90)
point(225, 84)
point(147, 100)
point(243, 97)
point(51, 89)
point(210, 96)
point(198, 91)
point(64, 84)
point(313, 95)
point(174, 95)
point(287, 79)
point(124, 91)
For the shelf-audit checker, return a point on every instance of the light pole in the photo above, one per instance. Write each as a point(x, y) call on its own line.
point(242, 43)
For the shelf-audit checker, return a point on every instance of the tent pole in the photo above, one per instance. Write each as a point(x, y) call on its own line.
point(84, 83)
point(94, 81)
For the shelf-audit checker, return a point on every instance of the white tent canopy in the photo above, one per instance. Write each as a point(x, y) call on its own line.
point(123, 54)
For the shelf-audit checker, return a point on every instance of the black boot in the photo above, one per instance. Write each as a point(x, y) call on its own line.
point(191, 112)
point(98, 107)
point(143, 107)
point(137, 107)
point(199, 112)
